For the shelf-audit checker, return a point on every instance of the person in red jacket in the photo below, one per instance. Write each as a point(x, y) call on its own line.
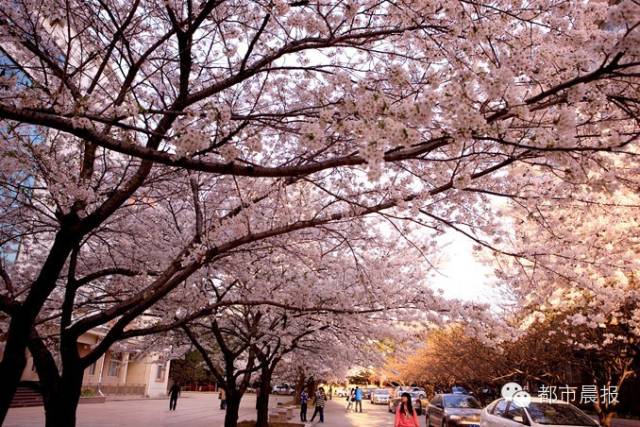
point(405, 414)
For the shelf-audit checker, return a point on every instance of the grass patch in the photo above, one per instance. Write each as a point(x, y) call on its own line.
point(88, 392)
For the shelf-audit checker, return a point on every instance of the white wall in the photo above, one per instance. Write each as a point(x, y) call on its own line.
point(155, 387)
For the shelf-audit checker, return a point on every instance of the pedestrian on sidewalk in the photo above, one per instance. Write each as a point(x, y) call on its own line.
point(350, 399)
point(304, 398)
point(174, 393)
point(405, 414)
point(222, 395)
point(331, 393)
point(320, 400)
point(357, 394)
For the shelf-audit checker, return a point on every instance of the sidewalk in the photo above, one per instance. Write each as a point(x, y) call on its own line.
point(194, 410)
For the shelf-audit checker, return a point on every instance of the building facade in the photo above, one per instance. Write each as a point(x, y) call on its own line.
point(118, 372)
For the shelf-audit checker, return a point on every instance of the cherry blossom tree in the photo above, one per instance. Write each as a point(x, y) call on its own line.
point(575, 270)
point(155, 140)
point(583, 284)
point(325, 305)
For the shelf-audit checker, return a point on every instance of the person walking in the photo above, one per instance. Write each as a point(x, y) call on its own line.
point(357, 394)
point(174, 393)
point(331, 393)
point(223, 398)
point(320, 400)
point(304, 398)
point(405, 414)
point(350, 399)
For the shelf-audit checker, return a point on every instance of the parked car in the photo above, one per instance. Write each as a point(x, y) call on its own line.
point(447, 410)
point(283, 389)
point(416, 401)
point(456, 389)
point(380, 396)
point(342, 392)
point(420, 390)
point(539, 413)
point(366, 393)
point(399, 390)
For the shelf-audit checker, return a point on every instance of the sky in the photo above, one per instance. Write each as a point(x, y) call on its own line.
point(463, 276)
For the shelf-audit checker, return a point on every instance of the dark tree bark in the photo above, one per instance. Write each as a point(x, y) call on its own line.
point(229, 374)
point(300, 383)
point(14, 359)
point(61, 393)
point(233, 407)
point(263, 397)
point(61, 402)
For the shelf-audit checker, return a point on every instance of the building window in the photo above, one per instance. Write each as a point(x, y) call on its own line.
point(114, 367)
point(91, 370)
point(160, 372)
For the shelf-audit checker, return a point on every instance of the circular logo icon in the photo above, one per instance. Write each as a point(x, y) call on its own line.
point(522, 398)
point(509, 389)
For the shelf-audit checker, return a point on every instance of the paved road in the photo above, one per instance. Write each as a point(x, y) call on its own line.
point(194, 410)
point(372, 416)
point(201, 410)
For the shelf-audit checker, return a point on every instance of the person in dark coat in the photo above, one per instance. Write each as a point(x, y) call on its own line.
point(174, 393)
point(222, 395)
point(304, 399)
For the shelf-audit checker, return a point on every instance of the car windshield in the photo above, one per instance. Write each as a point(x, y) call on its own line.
point(461, 402)
point(381, 392)
point(558, 414)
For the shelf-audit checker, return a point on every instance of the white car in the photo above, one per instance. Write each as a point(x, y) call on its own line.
point(539, 413)
point(421, 391)
point(283, 389)
point(380, 396)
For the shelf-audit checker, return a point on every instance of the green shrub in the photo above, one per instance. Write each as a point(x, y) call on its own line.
point(87, 392)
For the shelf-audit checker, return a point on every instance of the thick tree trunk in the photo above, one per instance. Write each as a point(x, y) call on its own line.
point(14, 359)
point(61, 394)
point(263, 399)
point(61, 402)
point(13, 363)
point(300, 383)
point(311, 386)
point(233, 406)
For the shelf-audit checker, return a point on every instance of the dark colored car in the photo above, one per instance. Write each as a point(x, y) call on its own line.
point(416, 402)
point(366, 393)
point(450, 410)
point(458, 390)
